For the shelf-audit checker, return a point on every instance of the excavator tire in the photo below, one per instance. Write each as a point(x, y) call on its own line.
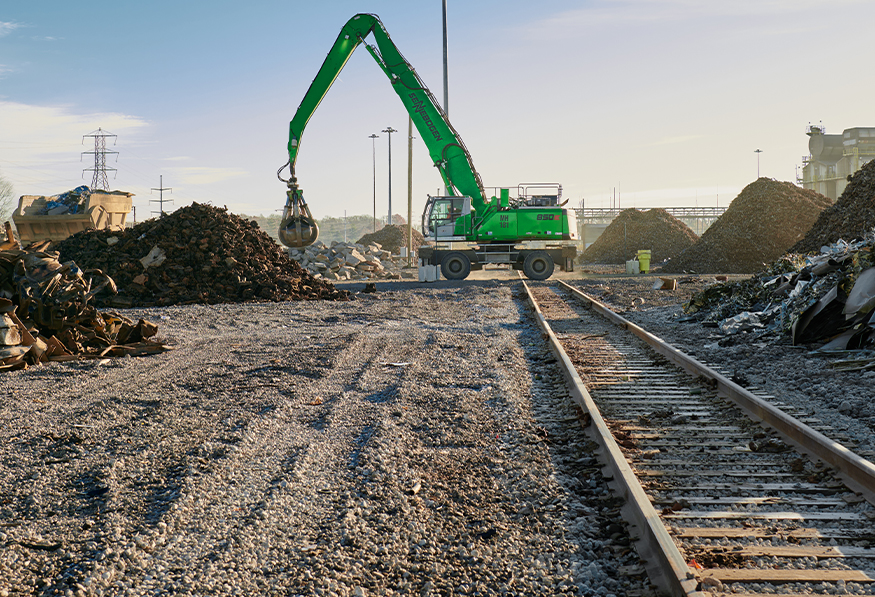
point(456, 266)
point(538, 265)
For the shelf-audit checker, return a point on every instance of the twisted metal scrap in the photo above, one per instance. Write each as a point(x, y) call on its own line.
point(790, 286)
point(56, 295)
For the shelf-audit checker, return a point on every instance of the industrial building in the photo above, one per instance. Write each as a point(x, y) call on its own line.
point(834, 158)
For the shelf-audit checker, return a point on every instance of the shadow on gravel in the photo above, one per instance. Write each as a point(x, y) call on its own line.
point(408, 285)
point(162, 495)
point(91, 492)
point(361, 441)
point(383, 396)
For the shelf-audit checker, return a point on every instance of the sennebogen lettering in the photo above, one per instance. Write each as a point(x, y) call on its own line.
point(419, 108)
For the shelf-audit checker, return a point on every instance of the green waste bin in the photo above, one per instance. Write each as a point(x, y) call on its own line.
point(644, 260)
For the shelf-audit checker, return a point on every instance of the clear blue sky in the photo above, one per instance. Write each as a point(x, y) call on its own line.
point(665, 99)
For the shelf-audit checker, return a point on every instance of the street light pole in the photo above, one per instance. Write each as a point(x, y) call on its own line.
point(410, 192)
point(446, 78)
point(374, 161)
point(758, 152)
point(389, 131)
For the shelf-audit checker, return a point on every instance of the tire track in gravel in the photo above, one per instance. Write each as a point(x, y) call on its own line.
point(122, 440)
point(64, 473)
point(279, 460)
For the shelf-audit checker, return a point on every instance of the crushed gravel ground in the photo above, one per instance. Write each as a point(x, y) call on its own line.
point(411, 442)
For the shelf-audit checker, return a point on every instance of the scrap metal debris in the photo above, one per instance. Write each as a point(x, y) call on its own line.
point(46, 312)
point(852, 215)
point(828, 297)
point(197, 254)
point(69, 202)
point(759, 226)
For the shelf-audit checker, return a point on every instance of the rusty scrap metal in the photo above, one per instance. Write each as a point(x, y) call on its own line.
point(197, 254)
point(46, 312)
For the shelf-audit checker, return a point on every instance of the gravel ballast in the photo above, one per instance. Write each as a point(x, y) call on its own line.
point(417, 441)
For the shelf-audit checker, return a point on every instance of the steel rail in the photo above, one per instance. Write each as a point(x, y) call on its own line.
point(664, 562)
point(856, 472)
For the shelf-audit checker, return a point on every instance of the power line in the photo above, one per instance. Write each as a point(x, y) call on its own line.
point(99, 181)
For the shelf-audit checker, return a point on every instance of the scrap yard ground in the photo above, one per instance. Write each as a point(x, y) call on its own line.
point(417, 440)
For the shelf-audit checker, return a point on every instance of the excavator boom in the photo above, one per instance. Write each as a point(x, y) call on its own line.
point(445, 146)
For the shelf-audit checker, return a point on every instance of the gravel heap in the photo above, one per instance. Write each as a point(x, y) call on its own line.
point(852, 215)
point(766, 218)
point(654, 229)
point(392, 238)
point(197, 254)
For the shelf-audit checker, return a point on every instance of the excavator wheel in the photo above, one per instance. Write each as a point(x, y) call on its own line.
point(538, 265)
point(456, 266)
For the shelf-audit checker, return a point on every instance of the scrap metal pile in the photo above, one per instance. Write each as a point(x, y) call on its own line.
point(46, 312)
point(809, 299)
point(852, 215)
point(760, 225)
point(197, 254)
point(631, 230)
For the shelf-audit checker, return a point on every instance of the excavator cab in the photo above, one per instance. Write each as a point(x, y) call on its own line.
point(298, 227)
point(440, 215)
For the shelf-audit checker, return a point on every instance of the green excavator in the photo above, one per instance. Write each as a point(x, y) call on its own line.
point(496, 229)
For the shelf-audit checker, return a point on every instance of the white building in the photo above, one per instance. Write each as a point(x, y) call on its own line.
point(834, 158)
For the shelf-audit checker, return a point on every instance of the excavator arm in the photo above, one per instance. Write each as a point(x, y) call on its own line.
point(447, 151)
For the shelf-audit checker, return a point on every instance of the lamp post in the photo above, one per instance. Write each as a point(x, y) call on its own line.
point(758, 152)
point(410, 191)
point(374, 161)
point(446, 91)
point(446, 76)
point(389, 131)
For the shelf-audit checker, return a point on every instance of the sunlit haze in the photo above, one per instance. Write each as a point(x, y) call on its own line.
point(663, 101)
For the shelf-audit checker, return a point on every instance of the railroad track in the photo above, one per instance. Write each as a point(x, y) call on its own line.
point(725, 491)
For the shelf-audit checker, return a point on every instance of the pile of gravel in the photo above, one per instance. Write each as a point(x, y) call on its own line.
point(654, 229)
point(392, 238)
point(766, 218)
point(849, 218)
point(197, 254)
